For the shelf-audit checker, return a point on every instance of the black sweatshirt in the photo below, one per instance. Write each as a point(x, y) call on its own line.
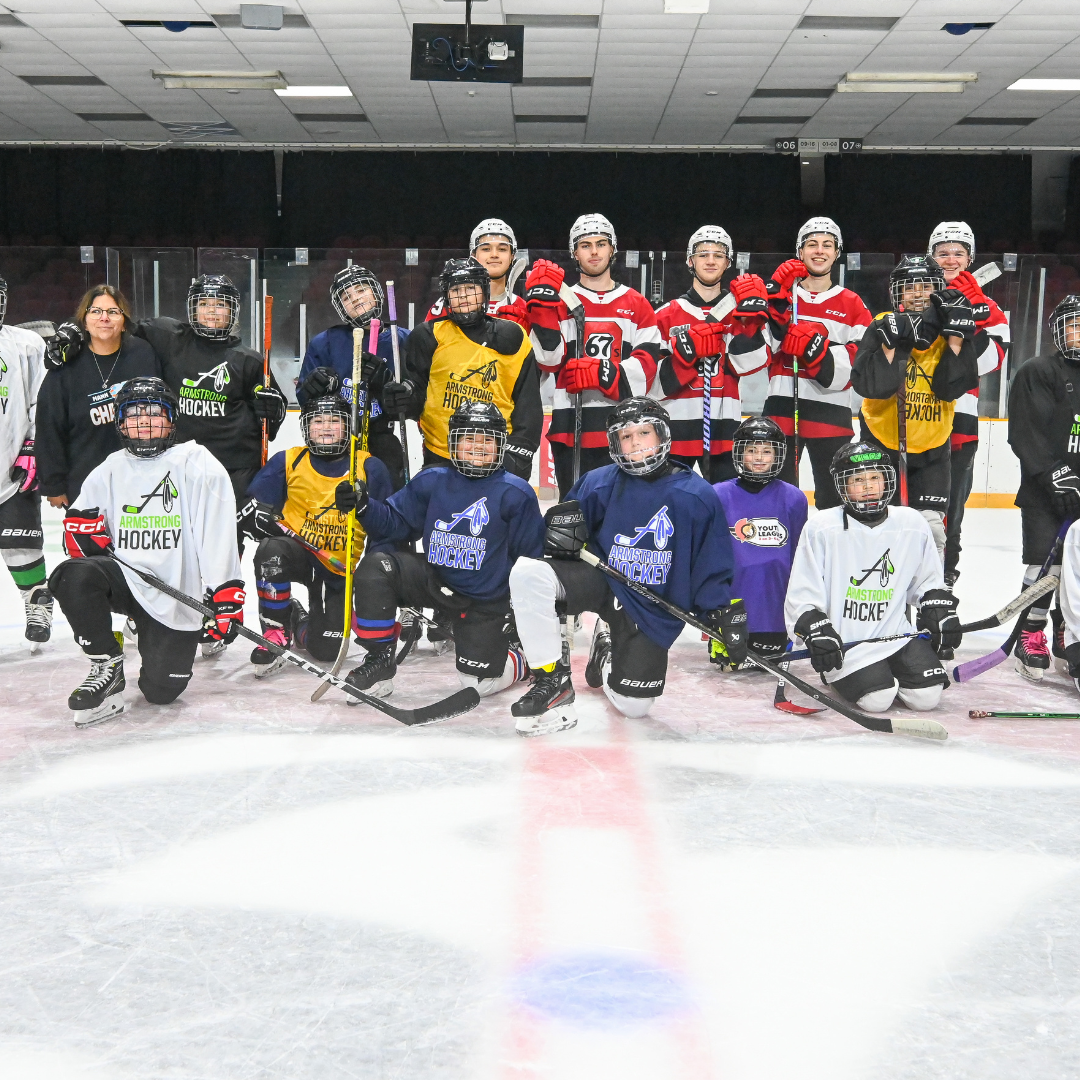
point(215, 382)
point(76, 428)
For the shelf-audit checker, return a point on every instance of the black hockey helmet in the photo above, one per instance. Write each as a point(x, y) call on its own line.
point(633, 412)
point(1066, 317)
point(146, 396)
point(3, 300)
point(470, 420)
point(331, 405)
point(910, 270)
point(347, 291)
point(860, 457)
point(213, 287)
point(465, 272)
point(758, 430)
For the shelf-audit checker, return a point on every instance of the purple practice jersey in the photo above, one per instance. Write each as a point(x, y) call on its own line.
point(765, 527)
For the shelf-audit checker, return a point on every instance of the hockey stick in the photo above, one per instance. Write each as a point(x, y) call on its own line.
point(268, 334)
point(901, 434)
point(983, 714)
point(515, 272)
point(460, 702)
point(985, 274)
point(923, 729)
point(795, 379)
point(577, 312)
point(781, 702)
point(723, 309)
point(391, 304)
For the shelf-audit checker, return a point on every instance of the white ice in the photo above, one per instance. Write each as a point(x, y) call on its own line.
point(249, 885)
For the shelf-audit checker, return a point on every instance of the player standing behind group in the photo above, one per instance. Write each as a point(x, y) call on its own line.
point(831, 323)
point(22, 368)
point(660, 524)
point(765, 517)
point(952, 246)
point(164, 508)
point(357, 297)
point(857, 568)
point(731, 347)
point(298, 485)
point(621, 352)
point(475, 520)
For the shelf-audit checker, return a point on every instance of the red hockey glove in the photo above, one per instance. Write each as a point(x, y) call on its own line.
point(809, 341)
point(692, 345)
point(584, 373)
point(751, 297)
point(24, 471)
point(85, 534)
point(784, 276)
point(543, 283)
point(228, 603)
point(972, 290)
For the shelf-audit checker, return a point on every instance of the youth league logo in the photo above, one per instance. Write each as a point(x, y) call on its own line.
point(767, 532)
point(659, 526)
point(476, 515)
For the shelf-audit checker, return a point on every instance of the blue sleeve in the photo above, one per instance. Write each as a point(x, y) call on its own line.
point(380, 489)
point(526, 533)
point(593, 499)
point(316, 356)
point(713, 563)
point(400, 516)
point(268, 484)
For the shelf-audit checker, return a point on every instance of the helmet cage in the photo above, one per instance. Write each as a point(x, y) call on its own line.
point(227, 293)
point(744, 472)
point(1066, 317)
point(350, 278)
point(924, 270)
point(163, 399)
point(865, 507)
point(642, 466)
point(322, 408)
point(475, 432)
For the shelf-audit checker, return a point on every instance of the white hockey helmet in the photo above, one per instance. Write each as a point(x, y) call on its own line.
point(492, 227)
point(819, 225)
point(592, 225)
point(952, 232)
point(708, 234)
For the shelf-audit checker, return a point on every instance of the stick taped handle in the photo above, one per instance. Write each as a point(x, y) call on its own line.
point(391, 303)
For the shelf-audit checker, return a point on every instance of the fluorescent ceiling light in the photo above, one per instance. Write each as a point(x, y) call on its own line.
point(905, 82)
point(314, 91)
point(1067, 85)
point(221, 80)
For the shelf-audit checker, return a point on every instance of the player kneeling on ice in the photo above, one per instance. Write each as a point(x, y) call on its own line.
point(660, 524)
point(765, 516)
point(857, 568)
point(308, 544)
point(475, 519)
point(166, 509)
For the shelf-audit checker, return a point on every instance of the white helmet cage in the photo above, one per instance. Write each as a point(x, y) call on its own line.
point(750, 434)
point(492, 227)
point(214, 287)
point(708, 234)
point(1065, 317)
point(952, 232)
point(820, 225)
point(592, 225)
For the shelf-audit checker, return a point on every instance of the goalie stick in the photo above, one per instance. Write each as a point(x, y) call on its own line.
point(460, 702)
point(923, 729)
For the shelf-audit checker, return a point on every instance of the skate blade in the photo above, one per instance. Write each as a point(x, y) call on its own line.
point(109, 708)
point(379, 690)
point(1032, 675)
point(264, 671)
point(442, 647)
point(35, 647)
point(560, 719)
point(210, 649)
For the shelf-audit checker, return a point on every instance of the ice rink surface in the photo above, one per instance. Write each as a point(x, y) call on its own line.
point(247, 885)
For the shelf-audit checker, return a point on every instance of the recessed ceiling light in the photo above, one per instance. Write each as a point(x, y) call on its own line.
point(905, 82)
point(314, 91)
point(220, 80)
point(1067, 85)
point(711, 93)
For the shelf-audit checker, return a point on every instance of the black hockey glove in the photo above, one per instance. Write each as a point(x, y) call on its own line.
point(64, 345)
point(349, 497)
point(1065, 491)
point(897, 329)
point(322, 382)
point(826, 648)
point(730, 622)
point(953, 311)
point(397, 397)
point(566, 532)
point(269, 404)
point(937, 613)
point(258, 520)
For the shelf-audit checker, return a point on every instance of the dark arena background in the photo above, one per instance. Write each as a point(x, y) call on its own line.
point(742, 883)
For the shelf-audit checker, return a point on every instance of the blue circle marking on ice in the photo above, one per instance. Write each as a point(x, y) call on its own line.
point(600, 989)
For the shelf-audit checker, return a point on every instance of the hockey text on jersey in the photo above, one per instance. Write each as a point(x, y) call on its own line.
point(462, 551)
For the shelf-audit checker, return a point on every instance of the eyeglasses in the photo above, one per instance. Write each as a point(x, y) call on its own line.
point(100, 313)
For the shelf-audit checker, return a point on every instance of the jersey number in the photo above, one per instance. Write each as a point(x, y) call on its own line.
point(599, 346)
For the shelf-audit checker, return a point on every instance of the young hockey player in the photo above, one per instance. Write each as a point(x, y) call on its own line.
point(952, 246)
point(857, 568)
point(925, 348)
point(657, 522)
point(164, 507)
point(475, 520)
point(693, 339)
point(464, 356)
point(620, 355)
point(822, 336)
point(308, 544)
point(765, 516)
point(1069, 604)
point(21, 539)
point(357, 297)
point(1044, 434)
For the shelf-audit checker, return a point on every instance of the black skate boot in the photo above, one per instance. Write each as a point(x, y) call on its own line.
point(39, 613)
point(1032, 656)
point(599, 654)
point(266, 662)
point(100, 696)
point(1057, 642)
point(548, 705)
point(375, 676)
point(411, 631)
point(441, 635)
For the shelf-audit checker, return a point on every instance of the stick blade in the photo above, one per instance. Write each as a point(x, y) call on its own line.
point(465, 700)
point(967, 672)
point(920, 729)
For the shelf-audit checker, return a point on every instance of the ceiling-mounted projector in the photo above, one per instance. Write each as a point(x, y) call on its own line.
point(448, 52)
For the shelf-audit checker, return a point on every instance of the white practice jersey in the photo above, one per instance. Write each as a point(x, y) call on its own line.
point(173, 515)
point(863, 578)
point(22, 367)
point(1069, 589)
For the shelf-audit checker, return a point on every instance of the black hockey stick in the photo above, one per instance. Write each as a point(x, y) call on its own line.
point(923, 729)
point(461, 702)
point(577, 312)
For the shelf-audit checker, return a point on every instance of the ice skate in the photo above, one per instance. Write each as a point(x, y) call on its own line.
point(39, 613)
point(100, 696)
point(547, 707)
point(267, 663)
point(1057, 647)
point(1032, 657)
point(599, 654)
point(211, 648)
point(375, 676)
point(441, 635)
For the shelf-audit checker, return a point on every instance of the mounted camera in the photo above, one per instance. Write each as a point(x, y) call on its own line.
point(447, 52)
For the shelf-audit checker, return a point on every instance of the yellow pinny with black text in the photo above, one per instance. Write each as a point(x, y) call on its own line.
point(929, 419)
point(309, 508)
point(461, 371)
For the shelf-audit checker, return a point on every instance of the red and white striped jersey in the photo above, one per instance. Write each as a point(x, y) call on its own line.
point(991, 343)
point(621, 325)
point(508, 306)
point(824, 400)
point(680, 388)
